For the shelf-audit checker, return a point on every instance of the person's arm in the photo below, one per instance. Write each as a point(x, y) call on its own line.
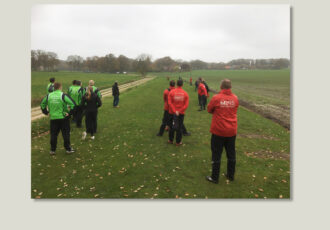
point(211, 105)
point(99, 102)
point(70, 102)
point(43, 105)
point(170, 102)
point(165, 95)
point(186, 102)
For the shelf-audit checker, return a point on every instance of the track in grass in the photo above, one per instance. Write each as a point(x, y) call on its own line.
point(127, 160)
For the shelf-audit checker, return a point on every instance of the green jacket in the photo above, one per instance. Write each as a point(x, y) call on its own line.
point(76, 93)
point(50, 88)
point(95, 90)
point(57, 103)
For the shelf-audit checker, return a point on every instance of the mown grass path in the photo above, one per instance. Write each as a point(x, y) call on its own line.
point(127, 160)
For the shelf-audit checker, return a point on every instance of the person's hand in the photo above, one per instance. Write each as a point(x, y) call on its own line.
point(66, 114)
point(177, 113)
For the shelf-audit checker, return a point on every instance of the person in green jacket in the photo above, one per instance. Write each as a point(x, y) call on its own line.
point(59, 106)
point(95, 89)
point(76, 93)
point(50, 86)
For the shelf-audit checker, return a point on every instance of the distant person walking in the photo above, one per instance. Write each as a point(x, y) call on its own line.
point(190, 80)
point(223, 106)
point(178, 101)
point(58, 103)
point(50, 86)
point(90, 103)
point(202, 92)
point(166, 115)
point(115, 94)
point(97, 92)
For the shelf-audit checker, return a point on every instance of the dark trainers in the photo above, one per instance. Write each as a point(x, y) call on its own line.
point(52, 153)
point(229, 178)
point(70, 151)
point(208, 178)
point(187, 134)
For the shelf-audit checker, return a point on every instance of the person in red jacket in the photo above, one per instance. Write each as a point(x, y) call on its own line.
point(223, 106)
point(202, 92)
point(190, 80)
point(178, 101)
point(165, 121)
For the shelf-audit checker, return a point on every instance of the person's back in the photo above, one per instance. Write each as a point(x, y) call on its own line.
point(50, 86)
point(178, 100)
point(224, 108)
point(57, 103)
point(202, 89)
point(91, 104)
point(75, 93)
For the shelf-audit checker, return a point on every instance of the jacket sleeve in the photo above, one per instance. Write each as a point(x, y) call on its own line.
point(44, 104)
point(99, 102)
point(165, 95)
point(69, 101)
point(211, 105)
point(170, 102)
point(186, 103)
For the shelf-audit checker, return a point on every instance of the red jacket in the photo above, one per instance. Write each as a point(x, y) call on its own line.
point(202, 89)
point(165, 97)
point(224, 106)
point(178, 100)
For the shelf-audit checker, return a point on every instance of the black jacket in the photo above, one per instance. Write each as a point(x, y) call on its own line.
point(115, 90)
point(91, 105)
point(206, 86)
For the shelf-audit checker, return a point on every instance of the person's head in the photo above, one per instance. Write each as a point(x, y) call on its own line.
point(91, 82)
point(172, 83)
point(57, 85)
point(74, 82)
point(78, 83)
point(179, 83)
point(225, 84)
point(116, 83)
point(52, 79)
point(200, 79)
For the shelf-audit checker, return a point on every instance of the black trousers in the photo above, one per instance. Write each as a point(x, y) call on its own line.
point(165, 121)
point(199, 100)
point(56, 126)
point(78, 116)
point(203, 102)
point(217, 144)
point(91, 122)
point(178, 130)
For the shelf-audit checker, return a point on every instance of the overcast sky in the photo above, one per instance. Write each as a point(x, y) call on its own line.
point(212, 33)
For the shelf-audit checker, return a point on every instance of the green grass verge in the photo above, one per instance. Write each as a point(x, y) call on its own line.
point(127, 160)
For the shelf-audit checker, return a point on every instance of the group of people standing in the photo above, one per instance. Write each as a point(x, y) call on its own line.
point(223, 107)
point(77, 103)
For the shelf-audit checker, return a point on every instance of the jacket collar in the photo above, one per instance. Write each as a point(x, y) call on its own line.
point(226, 91)
point(172, 87)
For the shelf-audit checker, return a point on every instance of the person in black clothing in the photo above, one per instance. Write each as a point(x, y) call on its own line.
point(90, 103)
point(115, 94)
point(207, 89)
point(79, 110)
point(196, 85)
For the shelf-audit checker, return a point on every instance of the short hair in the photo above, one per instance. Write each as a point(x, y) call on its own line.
point(52, 79)
point(57, 85)
point(78, 82)
point(225, 84)
point(172, 83)
point(74, 82)
point(179, 82)
point(199, 79)
point(91, 82)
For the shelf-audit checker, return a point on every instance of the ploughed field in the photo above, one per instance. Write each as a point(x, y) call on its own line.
point(266, 92)
point(40, 80)
point(128, 160)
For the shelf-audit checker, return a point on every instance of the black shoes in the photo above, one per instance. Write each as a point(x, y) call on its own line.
point(69, 151)
point(187, 134)
point(159, 135)
point(229, 178)
point(208, 178)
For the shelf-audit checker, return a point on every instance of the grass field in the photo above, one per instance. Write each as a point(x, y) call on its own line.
point(267, 91)
point(40, 80)
point(127, 160)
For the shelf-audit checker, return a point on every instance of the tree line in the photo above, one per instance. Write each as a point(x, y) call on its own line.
point(49, 61)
